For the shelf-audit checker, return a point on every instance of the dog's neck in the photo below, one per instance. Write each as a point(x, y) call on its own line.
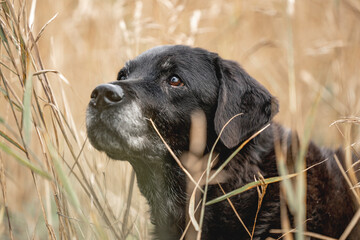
point(163, 184)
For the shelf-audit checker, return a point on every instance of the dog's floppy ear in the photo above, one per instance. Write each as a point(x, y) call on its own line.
point(240, 93)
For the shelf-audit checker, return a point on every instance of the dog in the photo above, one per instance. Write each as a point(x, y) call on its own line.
point(167, 84)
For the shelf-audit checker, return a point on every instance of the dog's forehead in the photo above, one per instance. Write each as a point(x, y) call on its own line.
point(184, 61)
point(165, 55)
point(152, 56)
point(157, 51)
point(164, 50)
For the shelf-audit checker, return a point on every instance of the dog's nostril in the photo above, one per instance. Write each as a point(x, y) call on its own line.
point(113, 96)
point(105, 95)
point(94, 94)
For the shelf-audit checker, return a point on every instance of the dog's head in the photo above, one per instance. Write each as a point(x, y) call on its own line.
point(167, 84)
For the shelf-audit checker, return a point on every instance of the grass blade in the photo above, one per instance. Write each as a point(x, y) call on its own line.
point(250, 186)
point(261, 182)
point(2, 35)
point(6, 95)
point(27, 110)
point(24, 162)
point(236, 152)
point(64, 179)
point(10, 140)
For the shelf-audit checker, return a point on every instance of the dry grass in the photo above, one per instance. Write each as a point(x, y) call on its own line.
point(310, 57)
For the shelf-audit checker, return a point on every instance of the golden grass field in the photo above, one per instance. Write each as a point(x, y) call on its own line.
point(308, 57)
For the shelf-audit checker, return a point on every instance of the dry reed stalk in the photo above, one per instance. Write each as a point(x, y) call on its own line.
point(261, 194)
point(323, 46)
point(307, 234)
point(17, 34)
point(4, 191)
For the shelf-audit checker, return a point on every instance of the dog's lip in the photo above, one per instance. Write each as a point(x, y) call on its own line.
point(97, 118)
point(92, 107)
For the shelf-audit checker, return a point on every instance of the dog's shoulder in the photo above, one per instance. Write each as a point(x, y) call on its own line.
point(329, 197)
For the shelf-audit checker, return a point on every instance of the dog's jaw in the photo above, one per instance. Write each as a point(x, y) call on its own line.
point(122, 133)
point(131, 126)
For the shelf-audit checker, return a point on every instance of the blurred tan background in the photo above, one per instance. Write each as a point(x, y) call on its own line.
point(90, 40)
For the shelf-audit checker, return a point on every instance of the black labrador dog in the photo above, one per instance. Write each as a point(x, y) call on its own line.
point(167, 84)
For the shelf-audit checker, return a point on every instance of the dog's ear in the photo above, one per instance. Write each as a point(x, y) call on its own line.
point(239, 93)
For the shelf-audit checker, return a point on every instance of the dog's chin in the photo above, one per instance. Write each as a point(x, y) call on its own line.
point(127, 148)
point(120, 152)
point(114, 146)
point(126, 153)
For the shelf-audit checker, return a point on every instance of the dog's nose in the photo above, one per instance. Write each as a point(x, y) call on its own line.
point(105, 95)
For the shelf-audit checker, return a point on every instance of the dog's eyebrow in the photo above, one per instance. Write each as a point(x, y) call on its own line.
point(167, 63)
point(132, 80)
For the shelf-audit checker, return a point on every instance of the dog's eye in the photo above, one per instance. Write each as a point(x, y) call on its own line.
point(175, 81)
point(121, 75)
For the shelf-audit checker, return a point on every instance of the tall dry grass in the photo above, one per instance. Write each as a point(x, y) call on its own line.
point(53, 53)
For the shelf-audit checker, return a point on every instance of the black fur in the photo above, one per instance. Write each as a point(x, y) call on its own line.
point(117, 125)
